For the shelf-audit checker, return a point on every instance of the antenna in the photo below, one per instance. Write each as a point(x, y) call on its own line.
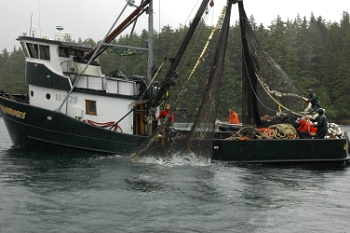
point(31, 24)
point(32, 28)
point(39, 19)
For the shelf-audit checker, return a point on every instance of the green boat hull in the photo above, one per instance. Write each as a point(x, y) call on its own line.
point(35, 128)
point(282, 150)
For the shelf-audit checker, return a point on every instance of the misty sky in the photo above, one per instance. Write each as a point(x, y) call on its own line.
point(93, 18)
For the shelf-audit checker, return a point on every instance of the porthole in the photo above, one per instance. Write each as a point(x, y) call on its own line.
point(48, 96)
point(31, 93)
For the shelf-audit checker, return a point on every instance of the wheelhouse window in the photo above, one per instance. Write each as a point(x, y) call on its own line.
point(25, 51)
point(33, 50)
point(39, 51)
point(90, 106)
point(63, 52)
point(44, 52)
point(77, 53)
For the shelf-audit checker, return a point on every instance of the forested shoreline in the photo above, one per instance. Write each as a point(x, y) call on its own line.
point(313, 52)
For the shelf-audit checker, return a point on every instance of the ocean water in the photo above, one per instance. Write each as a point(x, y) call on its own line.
point(78, 193)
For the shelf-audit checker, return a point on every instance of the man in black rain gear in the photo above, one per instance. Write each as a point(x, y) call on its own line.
point(322, 123)
point(313, 99)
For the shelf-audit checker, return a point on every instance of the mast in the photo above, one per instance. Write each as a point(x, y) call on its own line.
point(150, 56)
point(150, 40)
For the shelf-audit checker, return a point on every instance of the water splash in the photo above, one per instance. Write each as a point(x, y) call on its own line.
point(177, 159)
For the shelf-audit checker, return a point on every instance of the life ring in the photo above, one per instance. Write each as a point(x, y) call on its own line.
point(104, 124)
point(118, 127)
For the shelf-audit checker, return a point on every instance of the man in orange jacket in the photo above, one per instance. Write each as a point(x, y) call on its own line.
point(233, 117)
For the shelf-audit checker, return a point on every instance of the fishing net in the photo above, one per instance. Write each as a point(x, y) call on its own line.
point(198, 97)
point(202, 132)
point(266, 88)
point(266, 91)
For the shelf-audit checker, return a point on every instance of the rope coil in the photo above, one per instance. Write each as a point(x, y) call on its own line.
point(278, 131)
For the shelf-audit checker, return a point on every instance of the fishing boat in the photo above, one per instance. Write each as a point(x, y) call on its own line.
point(72, 106)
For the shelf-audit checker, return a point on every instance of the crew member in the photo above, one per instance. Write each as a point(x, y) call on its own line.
point(165, 113)
point(306, 128)
point(322, 123)
point(313, 99)
point(233, 117)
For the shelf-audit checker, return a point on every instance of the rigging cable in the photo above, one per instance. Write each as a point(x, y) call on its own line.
point(200, 58)
point(103, 22)
point(198, 36)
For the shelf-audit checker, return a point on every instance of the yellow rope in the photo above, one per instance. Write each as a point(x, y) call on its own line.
point(200, 58)
point(276, 101)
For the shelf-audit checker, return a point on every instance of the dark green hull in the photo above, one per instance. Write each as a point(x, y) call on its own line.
point(35, 128)
point(282, 150)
